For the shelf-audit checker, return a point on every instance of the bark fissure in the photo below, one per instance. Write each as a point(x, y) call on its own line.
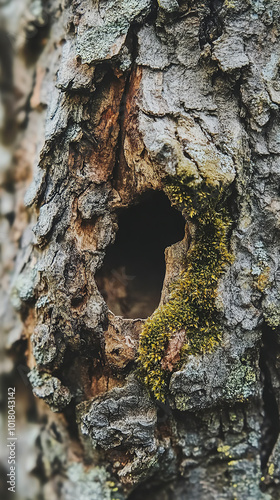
point(211, 26)
point(271, 425)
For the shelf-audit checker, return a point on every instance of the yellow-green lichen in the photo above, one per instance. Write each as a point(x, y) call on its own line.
point(224, 449)
point(114, 490)
point(229, 4)
point(191, 307)
point(240, 382)
point(272, 315)
point(271, 469)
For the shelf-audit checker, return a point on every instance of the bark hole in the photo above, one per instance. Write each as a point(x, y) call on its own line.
point(134, 267)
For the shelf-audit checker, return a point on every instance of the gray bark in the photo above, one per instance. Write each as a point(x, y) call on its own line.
point(110, 99)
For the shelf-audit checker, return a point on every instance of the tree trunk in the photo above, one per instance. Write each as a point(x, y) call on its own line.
point(140, 179)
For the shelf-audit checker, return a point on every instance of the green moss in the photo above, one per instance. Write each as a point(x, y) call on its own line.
point(192, 301)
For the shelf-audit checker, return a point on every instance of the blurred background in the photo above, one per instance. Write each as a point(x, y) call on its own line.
point(23, 31)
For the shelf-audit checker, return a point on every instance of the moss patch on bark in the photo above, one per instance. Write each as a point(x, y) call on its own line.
point(191, 307)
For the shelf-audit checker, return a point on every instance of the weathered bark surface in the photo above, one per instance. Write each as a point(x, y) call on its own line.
point(112, 98)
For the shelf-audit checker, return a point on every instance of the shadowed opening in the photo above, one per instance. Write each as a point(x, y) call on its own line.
point(132, 275)
point(271, 424)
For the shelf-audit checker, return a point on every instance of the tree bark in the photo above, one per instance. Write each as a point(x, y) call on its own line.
point(133, 130)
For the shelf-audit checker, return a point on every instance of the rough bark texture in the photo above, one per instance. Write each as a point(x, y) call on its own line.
point(114, 99)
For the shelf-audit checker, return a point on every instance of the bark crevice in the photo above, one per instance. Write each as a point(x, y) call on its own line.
point(271, 424)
